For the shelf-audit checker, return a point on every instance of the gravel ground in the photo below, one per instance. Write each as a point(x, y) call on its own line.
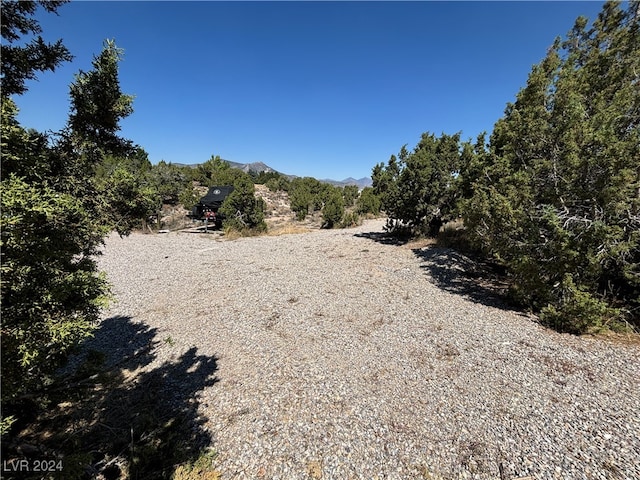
point(337, 355)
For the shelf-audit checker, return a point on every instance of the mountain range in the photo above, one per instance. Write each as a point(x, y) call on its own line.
point(263, 167)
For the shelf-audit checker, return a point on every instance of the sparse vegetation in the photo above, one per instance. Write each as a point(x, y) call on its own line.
point(200, 469)
point(333, 209)
point(368, 203)
point(242, 210)
point(553, 196)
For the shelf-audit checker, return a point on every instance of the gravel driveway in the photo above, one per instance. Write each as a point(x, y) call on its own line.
point(339, 355)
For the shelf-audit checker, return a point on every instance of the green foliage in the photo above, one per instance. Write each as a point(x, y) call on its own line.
point(60, 197)
point(215, 171)
point(200, 469)
point(136, 161)
point(350, 219)
point(300, 199)
point(418, 190)
point(322, 195)
point(280, 183)
point(350, 193)
point(189, 196)
point(261, 178)
point(577, 311)
point(51, 294)
point(6, 423)
point(127, 190)
point(333, 209)
point(98, 105)
point(272, 184)
point(368, 202)
point(127, 200)
point(170, 181)
point(301, 193)
point(21, 62)
point(308, 194)
point(24, 152)
point(555, 194)
point(242, 210)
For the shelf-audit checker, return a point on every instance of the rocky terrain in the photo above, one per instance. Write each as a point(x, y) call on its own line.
point(338, 354)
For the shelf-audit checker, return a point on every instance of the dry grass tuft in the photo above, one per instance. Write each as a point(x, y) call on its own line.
point(201, 469)
point(421, 242)
point(287, 229)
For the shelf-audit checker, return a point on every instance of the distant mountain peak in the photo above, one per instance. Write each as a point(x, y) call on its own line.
point(251, 167)
point(360, 183)
point(263, 167)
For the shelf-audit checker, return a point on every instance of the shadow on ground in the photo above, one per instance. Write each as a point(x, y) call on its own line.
point(456, 272)
point(383, 238)
point(117, 416)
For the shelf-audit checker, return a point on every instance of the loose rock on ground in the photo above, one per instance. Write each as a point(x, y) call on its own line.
point(340, 355)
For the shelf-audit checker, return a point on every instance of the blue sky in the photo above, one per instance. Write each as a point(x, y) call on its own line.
point(322, 89)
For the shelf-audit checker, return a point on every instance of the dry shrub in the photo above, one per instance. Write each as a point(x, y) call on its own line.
point(288, 229)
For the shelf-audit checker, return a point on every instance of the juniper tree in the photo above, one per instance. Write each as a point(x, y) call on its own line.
point(243, 211)
point(556, 196)
point(52, 224)
point(418, 189)
point(333, 209)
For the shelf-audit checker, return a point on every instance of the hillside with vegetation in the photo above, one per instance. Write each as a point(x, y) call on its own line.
point(550, 199)
point(553, 193)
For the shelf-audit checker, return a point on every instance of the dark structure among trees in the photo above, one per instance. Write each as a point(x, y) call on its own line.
point(208, 207)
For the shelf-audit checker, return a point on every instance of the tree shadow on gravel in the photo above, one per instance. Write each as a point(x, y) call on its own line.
point(384, 238)
point(118, 416)
point(455, 272)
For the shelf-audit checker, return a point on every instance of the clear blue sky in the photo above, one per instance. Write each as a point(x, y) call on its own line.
point(324, 89)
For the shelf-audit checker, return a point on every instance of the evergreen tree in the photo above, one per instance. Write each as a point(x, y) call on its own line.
point(23, 61)
point(368, 202)
point(281, 183)
point(306, 194)
point(97, 107)
point(243, 211)
point(170, 181)
point(556, 196)
point(419, 189)
point(333, 209)
point(50, 292)
point(350, 193)
point(216, 171)
point(54, 213)
point(117, 187)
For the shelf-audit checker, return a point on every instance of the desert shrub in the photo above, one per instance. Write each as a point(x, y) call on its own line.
point(189, 196)
point(302, 194)
point(242, 210)
point(577, 310)
point(418, 190)
point(368, 202)
point(333, 209)
point(554, 195)
point(350, 219)
point(349, 193)
point(272, 184)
